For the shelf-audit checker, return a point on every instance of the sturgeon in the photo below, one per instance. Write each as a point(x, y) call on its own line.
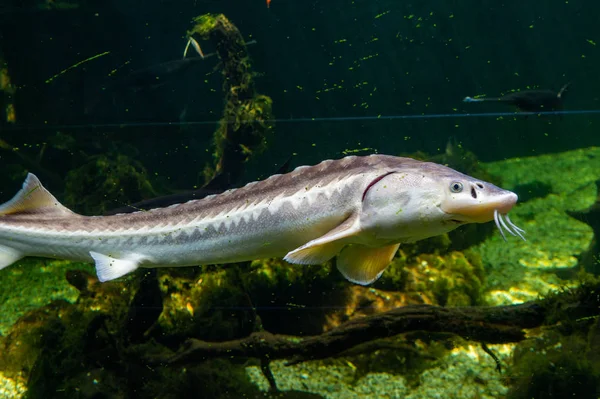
point(529, 100)
point(359, 208)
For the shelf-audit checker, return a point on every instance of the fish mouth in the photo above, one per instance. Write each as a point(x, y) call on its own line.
point(496, 210)
point(503, 223)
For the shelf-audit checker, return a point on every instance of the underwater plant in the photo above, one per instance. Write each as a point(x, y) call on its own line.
point(7, 92)
point(105, 180)
point(247, 120)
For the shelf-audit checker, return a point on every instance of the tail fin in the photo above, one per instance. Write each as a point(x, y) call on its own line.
point(563, 90)
point(32, 199)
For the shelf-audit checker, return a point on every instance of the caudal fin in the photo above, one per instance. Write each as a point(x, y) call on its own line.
point(32, 199)
point(563, 90)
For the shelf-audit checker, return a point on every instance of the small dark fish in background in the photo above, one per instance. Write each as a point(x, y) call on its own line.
point(529, 100)
point(158, 74)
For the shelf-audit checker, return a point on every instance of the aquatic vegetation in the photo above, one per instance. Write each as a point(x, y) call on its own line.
point(554, 365)
point(105, 181)
point(550, 257)
point(247, 294)
point(50, 346)
point(266, 328)
point(189, 305)
point(453, 279)
point(247, 121)
point(591, 215)
point(7, 93)
point(38, 283)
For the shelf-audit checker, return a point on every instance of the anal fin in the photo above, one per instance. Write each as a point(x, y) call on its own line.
point(8, 256)
point(322, 249)
point(109, 268)
point(363, 265)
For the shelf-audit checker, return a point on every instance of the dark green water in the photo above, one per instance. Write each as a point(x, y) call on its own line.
point(345, 77)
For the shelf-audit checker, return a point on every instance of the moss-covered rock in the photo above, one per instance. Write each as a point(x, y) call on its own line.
point(211, 305)
point(105, 181)
point(454, 279)
point(228, 302)
point(556, 242)
point(553, 366)
point(247, 121)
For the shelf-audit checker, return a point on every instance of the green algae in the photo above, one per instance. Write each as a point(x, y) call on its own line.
point(7, 94)
point(190, 308)
point(453, 279)
point(215, 379)
point(565, 172)
point(32, 283)
point(206, 301)
point(247, 122)
point(82, 350)
point(105, 181)
point(521, 270)
point(246, 296)
point(554, 366)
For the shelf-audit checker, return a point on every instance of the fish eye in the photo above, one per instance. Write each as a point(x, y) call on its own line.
point(456, 187)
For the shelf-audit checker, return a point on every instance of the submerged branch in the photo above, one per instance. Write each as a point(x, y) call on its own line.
point(488, 325)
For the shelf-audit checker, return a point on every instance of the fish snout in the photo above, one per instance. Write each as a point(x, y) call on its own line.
point(482, 209)
point(506, 202)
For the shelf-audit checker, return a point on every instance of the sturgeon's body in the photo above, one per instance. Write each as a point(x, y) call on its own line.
point(363, 205)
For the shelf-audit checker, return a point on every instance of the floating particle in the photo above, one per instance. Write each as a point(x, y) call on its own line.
point(189, 308)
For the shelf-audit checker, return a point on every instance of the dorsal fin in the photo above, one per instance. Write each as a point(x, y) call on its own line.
point(33, 199)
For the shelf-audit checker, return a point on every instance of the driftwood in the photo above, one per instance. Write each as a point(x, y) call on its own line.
point(487, 325)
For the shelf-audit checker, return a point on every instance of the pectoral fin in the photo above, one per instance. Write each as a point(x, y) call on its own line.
point(109, 268)
point(363, 265)
point(322, 249)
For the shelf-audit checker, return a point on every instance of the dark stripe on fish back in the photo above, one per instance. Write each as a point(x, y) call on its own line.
point(287, 184)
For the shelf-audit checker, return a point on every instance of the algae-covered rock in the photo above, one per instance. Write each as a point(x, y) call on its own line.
point(454, 279)
point(22, 346)
point(556, 242)
point(105, 181)
point(32, 283)
point(214, 379)
point(553, 366)
point(228, 302)
point(211, 305)
point(52, 344)
point(7, 94)
point(225, 302)
point(247, 121)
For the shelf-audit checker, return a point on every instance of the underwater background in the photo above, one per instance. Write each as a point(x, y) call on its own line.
point(97, 100)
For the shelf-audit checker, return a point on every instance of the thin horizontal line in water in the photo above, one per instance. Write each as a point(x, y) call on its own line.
point(280, 307)
point(304, 120)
